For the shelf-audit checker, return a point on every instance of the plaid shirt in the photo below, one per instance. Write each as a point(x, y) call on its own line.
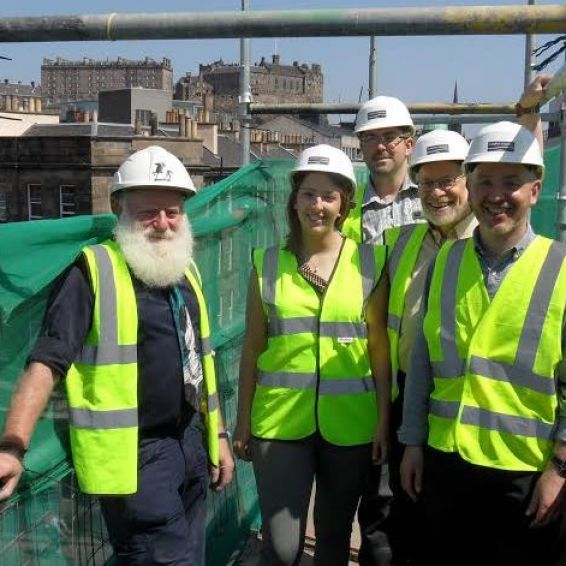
point(379, 215)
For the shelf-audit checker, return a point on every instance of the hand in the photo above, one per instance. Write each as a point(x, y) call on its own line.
point(380, 448)
point(221, 475)
point(241, 443)
point(534, 92)
point(11, 469)
point(412, 471)
point(547, 496)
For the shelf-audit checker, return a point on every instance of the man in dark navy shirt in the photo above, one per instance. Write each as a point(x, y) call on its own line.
point(126, 327)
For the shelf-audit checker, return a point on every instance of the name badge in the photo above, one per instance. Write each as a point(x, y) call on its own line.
point(345, 340)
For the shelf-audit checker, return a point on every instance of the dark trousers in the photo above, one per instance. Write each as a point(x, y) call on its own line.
point(285, 471)
point(391, 524)
point(165, 521)
point(476, 516)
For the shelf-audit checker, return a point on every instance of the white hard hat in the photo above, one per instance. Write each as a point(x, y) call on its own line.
point(383, 112)
point(325, 159)
point(152, 167)
point(505, 142)
point(438, 145)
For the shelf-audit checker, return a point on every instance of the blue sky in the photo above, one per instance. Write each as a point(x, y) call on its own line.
point(416, 69)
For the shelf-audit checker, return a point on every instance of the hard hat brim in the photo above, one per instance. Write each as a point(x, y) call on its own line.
point(139, 186)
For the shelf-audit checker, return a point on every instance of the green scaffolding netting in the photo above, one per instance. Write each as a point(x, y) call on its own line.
point(49, 521)
point(545, 214)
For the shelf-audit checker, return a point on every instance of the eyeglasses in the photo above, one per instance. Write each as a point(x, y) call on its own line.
point(444, 184)
point(390, 141)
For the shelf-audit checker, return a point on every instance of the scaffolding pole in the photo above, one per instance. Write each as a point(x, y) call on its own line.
point(372, 68)
point(462, 20)
point(529, 54)
point(477, 118)
point(353, 107)
point(245, 95)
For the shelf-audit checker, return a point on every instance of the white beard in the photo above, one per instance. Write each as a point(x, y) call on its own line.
point(158, 259)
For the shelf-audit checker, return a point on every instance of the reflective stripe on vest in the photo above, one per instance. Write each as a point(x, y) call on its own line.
point(497, 407)
point(308, 336)
point(120, 418)
point(492, 420)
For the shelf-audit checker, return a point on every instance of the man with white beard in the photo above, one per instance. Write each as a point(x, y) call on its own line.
point(127, 328)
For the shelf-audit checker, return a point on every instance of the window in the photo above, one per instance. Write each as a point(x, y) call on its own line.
point(35, 206)
point(144, 116)
point(67, 204)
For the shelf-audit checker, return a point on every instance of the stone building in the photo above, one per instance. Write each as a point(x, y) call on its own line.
point(18, 97)
point(64, 170)
point(269, 82)
point(63, 80)
point(297, 134)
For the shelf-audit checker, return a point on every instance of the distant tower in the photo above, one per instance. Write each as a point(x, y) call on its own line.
point(452, 126)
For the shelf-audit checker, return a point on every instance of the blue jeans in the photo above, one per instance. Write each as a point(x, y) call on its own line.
point(165, 521)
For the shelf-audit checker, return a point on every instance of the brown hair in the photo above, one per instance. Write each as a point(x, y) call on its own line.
point(293, 242)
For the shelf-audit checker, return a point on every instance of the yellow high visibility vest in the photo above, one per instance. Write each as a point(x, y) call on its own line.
point(404, 245)
point(102, 383)
point(494, 360)
point(352, 226)
point(315, 372)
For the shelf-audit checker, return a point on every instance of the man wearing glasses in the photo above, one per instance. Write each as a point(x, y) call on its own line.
point(436, 165)
point(385, 129)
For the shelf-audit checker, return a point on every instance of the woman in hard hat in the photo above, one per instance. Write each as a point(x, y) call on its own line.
point(315, 374)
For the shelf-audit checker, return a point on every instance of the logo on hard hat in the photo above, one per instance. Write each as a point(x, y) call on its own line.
point(438, 148)
point(160, 172)
point(319, 160)
point(377, 114)
point(501, 146)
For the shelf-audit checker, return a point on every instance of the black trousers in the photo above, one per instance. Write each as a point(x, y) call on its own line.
point(476, 516)
point(391, 524)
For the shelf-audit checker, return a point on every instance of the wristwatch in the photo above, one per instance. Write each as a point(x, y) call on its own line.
point(560, 465)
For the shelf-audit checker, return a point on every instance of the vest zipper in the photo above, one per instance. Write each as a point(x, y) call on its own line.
point(321, 301)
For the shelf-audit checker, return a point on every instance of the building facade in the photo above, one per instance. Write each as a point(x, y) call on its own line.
point(18, 97)
point(66, 170)
point(63, 80)
point(125, 106)
point(269, 82)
